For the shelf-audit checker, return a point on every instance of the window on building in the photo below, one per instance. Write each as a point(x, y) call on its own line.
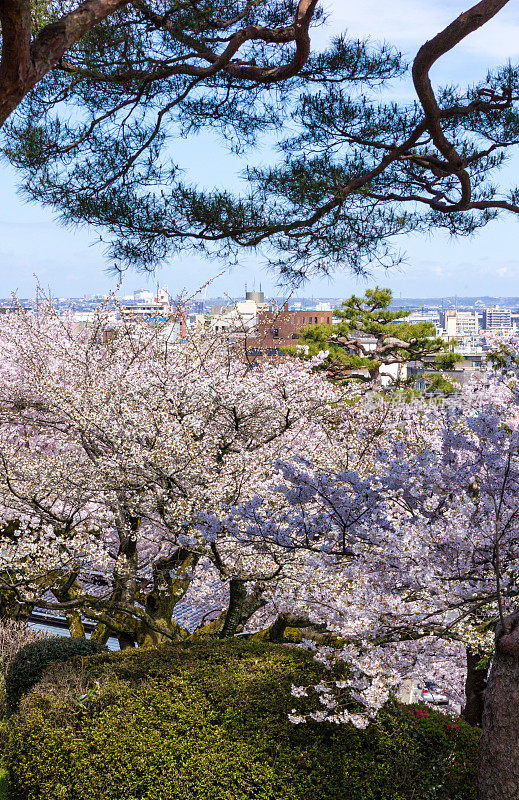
point(327, 320)
point(309, 320)
point(316, 320)
point(295, 336)
point(275, 333)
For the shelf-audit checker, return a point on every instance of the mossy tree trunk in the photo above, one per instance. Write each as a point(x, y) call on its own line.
point(298, 623)
point(171, 580)
point(126, 576)
point(242, 605)
point(70, 590)
point(498, 775)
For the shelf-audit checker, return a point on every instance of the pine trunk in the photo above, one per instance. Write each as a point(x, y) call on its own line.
point(499, 745)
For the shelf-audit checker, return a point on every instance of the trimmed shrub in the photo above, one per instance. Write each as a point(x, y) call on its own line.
point(30, 662)
point(13, 636)
point(208, 721)
point(4, 784)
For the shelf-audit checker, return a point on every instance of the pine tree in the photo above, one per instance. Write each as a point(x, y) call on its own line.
point(369, 337)
point(95, 135)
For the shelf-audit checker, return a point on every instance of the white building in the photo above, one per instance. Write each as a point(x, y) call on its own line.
point(498, 319)
point(461, 324)
point(240, 317)
point(151, 307)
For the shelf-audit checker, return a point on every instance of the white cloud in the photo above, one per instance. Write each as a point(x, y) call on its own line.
point(409, 23)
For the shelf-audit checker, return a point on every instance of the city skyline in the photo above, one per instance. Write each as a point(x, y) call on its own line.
point(141, 294)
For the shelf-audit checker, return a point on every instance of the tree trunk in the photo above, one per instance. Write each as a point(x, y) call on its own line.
point(475, 688)
point(172, 577)
point(125, 640)
point(69, 590)
point(498, 777)
point(309, 630)
point(126, 580)
point(238, 595)
point(242, 605)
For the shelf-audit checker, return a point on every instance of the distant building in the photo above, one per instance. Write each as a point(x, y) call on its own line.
point(462, 373)
point(425, 315)
point(147, 309)
point(241, 317)
point(256, 297)
point(157, 309)
point(278, 327)
point(458, 324)
point(498, 319)
point(14, 308)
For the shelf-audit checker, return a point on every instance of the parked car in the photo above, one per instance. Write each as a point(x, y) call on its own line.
point(432, 693)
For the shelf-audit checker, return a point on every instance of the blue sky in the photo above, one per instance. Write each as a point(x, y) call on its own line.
point(71, 263)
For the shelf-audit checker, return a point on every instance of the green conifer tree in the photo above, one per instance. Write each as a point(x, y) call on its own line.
point(370, 336)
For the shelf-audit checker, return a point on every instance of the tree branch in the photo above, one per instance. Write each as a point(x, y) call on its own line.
point(429, 53)
point(22, 64)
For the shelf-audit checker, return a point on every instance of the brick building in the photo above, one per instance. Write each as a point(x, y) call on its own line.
point(279, 327)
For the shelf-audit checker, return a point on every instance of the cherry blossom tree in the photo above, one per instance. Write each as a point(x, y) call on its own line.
point(167, 489)
point(415, 562)
point(115, 456)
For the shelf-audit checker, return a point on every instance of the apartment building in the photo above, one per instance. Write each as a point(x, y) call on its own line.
point(240, 317)
point(498, 319)
point(280, 326)
point(461, 323)
point(158, 307)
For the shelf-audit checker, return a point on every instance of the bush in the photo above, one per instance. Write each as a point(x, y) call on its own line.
point(4, 784)
point(13, 636)
point(209, 722)
point(30, 662)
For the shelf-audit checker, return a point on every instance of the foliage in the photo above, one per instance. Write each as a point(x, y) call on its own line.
point(13, 636)
point(448, 360)
point(4, 785)
point(122, 96)
point(419, 549)
point(210, 721)
point(441, 384)
point(351, 354)
point(43, 12)
point(120, 461)
point(32, 659)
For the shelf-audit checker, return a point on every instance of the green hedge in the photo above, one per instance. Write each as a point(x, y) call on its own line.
point(209, 722)
point(31, 661)
point(4, 784)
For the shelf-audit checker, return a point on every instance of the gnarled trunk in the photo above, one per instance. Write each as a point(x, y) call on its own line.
point(126, 578)
point(242, 605)
point(172, 578)
point(499, 746)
